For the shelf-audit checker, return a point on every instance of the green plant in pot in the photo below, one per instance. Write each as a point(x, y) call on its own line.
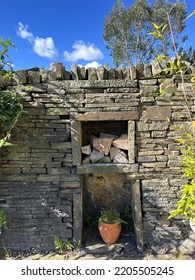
point(109, 225)
point(2, 220)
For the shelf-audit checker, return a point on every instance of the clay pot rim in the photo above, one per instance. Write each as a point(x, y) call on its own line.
point(101, 223)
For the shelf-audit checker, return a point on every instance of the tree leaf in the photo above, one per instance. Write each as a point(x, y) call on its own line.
point(193, 13)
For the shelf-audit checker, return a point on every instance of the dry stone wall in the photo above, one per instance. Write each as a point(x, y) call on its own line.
point(40, 188)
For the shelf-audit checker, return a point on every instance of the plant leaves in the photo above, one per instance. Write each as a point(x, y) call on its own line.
point(193, 13)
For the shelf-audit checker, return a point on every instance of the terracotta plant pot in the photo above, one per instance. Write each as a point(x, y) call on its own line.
point(109, 232)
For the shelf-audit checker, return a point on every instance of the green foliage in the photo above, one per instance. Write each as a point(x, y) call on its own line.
point(193, 79)
point(30, 88)
point(5, 61)
point(158, 33)
point(11, 106)
point(111, 216)
point(6, 251)
point(188, 54)
point(188, 152)
point(90, 221)
point(62, 246)
point(3, 223)
point(2, 219)
point(116, 34)
point(176, 65)
point(186, 204)
point(139, 20)
point(127, 217)
point(126, 30)
point(11, 109)
point(190, 15)
point(177, 16)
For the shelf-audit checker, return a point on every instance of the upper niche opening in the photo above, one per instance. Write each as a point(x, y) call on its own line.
point(104, 142)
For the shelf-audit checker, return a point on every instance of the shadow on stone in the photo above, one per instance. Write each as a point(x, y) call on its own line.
point(125, 245)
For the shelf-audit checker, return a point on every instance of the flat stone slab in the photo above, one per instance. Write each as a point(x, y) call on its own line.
point(107, 168)
point(188, 246)
point(106, 116)
point(157, 113)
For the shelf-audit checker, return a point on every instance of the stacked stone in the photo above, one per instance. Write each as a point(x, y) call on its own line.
point(58, 72)
point(38, 184)
point(159, 157)
point(40, 187)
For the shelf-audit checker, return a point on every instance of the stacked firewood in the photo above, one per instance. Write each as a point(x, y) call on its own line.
point(107, 148)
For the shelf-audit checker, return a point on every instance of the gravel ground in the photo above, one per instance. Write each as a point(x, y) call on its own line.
point(82, 255)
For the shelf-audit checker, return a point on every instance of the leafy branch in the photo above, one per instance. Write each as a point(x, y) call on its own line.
point(11, 107)
point(5, 61)
point(186, 204)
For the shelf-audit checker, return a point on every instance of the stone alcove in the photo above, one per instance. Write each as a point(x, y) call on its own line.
point(114, 182)
point(105, 190)
point(102, 191)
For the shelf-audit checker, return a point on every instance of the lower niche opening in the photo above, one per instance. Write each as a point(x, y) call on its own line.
point(102, 191)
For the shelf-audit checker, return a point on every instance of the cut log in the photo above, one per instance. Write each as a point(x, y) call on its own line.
point(86, 150)
point(95, 156)
point(121, 158)
point(102, 145)
point(121, 142)
point(113, 152)
point(105, 159)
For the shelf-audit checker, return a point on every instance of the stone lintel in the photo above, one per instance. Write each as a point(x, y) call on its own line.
point(107, 168)
point(106, 116)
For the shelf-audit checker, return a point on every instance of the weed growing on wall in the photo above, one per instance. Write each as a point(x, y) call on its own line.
point(62, 246)
point(2, 220)
point(3, 226)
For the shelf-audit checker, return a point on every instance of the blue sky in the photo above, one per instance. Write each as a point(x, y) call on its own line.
point(68, 31)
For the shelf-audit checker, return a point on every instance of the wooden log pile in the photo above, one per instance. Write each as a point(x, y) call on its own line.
point(107, 148)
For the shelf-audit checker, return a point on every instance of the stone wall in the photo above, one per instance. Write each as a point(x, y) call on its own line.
point(41, 176)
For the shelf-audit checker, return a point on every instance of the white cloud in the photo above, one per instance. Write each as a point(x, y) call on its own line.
point(83, 50)
point(23, 33)
point(44, 47)
point(93, 64)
